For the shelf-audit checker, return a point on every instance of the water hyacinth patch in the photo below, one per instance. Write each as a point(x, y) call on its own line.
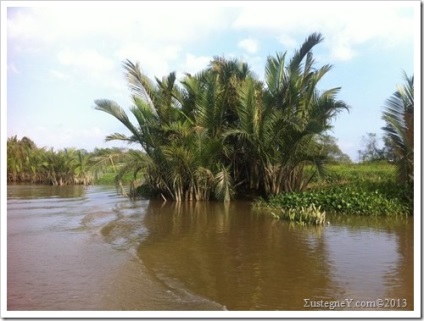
point(303, 215)
point(342, 200)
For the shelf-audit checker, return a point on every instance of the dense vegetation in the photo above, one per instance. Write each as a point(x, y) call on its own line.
point(27, 163)
point(399, 117)
point(359, 189)
point(374, 187)
point(222, 132)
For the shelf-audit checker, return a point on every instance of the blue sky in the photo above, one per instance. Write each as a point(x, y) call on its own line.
point(61, 56)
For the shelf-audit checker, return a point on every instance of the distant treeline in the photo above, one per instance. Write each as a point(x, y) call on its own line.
point(27, 163)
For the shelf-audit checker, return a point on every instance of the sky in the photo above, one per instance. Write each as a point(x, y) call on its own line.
point(61, 56)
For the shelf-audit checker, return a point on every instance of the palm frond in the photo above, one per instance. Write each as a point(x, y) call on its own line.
point(224, 185)
point(310, 42)
point(112, 108)
point(275, 76)
point(399, 117)
point(141, 86)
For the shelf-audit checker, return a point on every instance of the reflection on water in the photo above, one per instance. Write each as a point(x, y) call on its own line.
point(73, 248)
point(248, 261)
point(41, 192)
point(233, 256)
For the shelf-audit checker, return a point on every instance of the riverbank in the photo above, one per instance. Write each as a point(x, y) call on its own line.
point(348, 189)
point(357, 189)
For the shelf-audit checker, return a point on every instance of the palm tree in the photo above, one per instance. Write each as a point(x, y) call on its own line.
point(279, 120)
point(14, 159)
point(225, 132)
point(399, 117)
point(82, 171)
point(164, 161)
point(23, 160)
point(211, 99)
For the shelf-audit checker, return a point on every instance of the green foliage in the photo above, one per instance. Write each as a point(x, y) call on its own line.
point(328, 147)
point(310, 215)
point(359, 189)
point(109, 178)
point(30, 164)
point(399, 138)
point(26, 163)
point(362, 173)
point(223, 188)
point(222, 132)
point(399, 117)
point(372, 152)
point(346, 200)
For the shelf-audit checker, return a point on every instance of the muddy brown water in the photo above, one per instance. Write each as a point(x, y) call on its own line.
point(75, 248)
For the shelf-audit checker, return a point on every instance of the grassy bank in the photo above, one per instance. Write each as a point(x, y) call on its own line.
point(108, 178)
point(356, 189)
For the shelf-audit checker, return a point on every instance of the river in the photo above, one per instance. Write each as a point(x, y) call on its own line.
point(75, 248)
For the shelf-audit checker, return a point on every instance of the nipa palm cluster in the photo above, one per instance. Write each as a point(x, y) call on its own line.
point(223, 132)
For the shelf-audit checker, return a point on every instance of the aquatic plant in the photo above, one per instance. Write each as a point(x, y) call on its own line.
point(301, 215)
point(343, 200)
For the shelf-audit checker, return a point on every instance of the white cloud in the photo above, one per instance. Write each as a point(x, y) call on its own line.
point(287, 41)
point(342, 52)
point(356, 23)
point(88, 65)
point(172, 23)
point(92, 37)
point(154, 60)
point(344, 25)
point(88, 60)
point(194, 64)
point(249, 44)
point(91, 41)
